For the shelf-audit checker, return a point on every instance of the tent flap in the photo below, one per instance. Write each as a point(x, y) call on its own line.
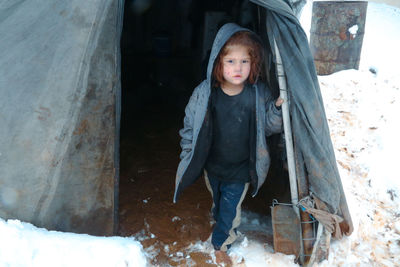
point(312, 143)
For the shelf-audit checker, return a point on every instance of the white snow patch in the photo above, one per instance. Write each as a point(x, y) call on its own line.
point(353, 29)
point(22, 244)
point(361, 110)
point(176, 218)
point(381, 41)
point(248, 250)
point(166, 248)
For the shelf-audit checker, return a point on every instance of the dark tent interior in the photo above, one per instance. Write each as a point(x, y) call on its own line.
point(164, 54)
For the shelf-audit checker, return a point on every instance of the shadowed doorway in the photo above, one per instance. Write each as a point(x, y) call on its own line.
point(165, 47)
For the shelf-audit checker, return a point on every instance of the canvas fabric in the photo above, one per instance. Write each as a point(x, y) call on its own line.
point(59, 113)
point(314, 154)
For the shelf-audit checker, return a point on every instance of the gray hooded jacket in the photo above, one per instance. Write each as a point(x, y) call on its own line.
point(196, 138)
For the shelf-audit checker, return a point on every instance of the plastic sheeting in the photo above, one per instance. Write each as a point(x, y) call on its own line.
point(59, 111)
point(314, 154)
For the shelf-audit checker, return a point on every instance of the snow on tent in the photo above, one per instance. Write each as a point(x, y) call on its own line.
point(59, 86)
point(60, 116)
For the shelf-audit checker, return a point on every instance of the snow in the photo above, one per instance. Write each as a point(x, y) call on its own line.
point(362, 109)
point(22, 244)
point(176, 218)
point(353, 30)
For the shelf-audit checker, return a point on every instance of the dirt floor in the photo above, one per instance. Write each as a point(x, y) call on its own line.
point(149, 158)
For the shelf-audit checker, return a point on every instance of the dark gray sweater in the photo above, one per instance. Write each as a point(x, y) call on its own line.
point(232, 127)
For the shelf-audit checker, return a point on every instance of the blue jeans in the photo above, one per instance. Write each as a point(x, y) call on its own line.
point(226, 210)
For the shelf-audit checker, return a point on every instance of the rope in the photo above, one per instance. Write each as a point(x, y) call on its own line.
point(328, 220)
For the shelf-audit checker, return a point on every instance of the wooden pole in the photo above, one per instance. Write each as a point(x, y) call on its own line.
point(288, 138)
point(307, 233)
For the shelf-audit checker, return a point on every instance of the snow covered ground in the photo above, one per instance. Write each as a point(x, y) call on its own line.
point(23, 245)
point(362, 110)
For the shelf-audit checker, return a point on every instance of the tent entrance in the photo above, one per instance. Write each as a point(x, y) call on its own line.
point(164, 49)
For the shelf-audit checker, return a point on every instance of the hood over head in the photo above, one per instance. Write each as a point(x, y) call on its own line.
point(223, 35)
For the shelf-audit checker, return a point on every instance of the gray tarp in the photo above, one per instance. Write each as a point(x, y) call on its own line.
point(315, 158)
point(59, 90)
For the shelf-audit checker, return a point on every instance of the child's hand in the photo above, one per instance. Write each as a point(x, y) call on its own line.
point(279, 102)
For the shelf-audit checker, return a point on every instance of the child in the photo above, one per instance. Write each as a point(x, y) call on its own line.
point(226, 123)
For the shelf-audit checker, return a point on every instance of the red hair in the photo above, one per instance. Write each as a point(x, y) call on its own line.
point(254, 48)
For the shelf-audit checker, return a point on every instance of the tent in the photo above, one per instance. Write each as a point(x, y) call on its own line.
point(59, 113)
point(60, 106)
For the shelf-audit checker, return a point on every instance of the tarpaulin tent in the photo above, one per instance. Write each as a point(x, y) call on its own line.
point(59, 108)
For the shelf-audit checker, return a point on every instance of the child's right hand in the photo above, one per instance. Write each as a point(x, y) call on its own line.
point(279, 102)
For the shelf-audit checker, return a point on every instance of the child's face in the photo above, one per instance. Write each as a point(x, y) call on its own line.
point(236, 66)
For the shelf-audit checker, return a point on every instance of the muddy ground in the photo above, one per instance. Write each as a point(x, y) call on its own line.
point(149, 157)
